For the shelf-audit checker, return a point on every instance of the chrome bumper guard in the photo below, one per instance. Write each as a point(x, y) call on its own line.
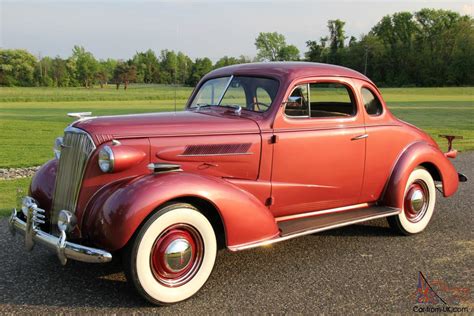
point(64, 249)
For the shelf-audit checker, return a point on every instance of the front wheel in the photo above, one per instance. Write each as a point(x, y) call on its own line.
point(172, 255)
point(418, 204)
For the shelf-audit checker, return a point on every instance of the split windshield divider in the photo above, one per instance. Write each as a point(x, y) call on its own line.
point(225, 89)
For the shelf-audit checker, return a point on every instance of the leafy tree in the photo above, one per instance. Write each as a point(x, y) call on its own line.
point(317, 52)
point(169, 66)
point(59, 72)
point(105, 71)
point(273, 47)
point(289, 52)
point(86, 66)
point(228, 61)
point(200, 67)
point(17, 67)
point(336, 34)
point(397, 33)
point(462, 60)
point(336, 40)
point(435, 40)
point(43, 72)
point(184, 66)
point(125, 72)
point(425, 48)
point(148, 66)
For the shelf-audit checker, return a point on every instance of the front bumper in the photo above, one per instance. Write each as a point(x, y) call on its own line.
point(64, 249)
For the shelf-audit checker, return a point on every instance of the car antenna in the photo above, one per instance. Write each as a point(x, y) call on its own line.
point(175, 90)
point(176, 70)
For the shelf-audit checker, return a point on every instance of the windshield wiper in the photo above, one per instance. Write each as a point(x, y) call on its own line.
point(203, 105)
point(237, 108)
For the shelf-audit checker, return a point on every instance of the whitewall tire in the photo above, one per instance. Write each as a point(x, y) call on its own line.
point(172, 255)
point(418, 204)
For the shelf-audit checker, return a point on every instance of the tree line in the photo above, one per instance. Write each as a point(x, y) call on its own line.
point(426, 48)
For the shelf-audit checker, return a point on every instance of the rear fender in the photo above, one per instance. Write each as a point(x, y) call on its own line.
point(117, 211)
point(417, 154)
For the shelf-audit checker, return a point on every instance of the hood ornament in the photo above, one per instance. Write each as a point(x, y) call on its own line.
point(80, 115)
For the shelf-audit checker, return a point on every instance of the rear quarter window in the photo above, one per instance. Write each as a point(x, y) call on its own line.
point(372, 104)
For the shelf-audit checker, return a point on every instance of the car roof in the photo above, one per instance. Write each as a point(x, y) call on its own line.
point(287, 71)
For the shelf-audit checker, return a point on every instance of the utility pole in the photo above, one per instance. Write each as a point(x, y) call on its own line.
point(366, 57)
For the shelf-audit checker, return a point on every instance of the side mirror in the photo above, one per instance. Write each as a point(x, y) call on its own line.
point(295, 99)
point(294, 102)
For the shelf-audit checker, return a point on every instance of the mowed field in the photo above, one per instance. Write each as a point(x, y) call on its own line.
point(31, 118)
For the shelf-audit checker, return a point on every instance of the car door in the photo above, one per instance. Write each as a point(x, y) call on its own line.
point(319, 150)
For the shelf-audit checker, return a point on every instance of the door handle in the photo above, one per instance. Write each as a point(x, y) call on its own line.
point(360, 137)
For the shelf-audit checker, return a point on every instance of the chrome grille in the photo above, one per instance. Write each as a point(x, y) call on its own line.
point(75, 152)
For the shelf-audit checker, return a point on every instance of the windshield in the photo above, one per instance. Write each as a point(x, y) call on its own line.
point(249, 93)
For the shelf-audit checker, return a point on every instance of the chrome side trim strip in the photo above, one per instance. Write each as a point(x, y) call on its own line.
point(308, 232)
point(316, 213)
point(211, 155)
point(164, 167)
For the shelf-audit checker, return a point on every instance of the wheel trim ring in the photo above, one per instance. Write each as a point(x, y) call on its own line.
point(417, 193)
point(161, 270)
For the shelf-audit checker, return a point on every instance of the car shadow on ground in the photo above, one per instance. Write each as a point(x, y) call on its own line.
point(39, 280)
point(372, 228)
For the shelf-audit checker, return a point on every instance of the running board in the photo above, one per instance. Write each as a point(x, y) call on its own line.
point(334, 220)
point(318, 223)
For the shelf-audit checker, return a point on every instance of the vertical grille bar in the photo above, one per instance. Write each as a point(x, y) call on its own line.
point(76, 150)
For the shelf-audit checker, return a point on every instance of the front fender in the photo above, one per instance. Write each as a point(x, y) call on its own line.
point(42, 184)
point(415, 155)
point(118, 210)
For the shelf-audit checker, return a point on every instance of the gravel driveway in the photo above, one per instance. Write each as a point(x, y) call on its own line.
point(358, 269)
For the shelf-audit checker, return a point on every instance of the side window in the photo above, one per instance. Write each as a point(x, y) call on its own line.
point(298, 103)
point(263, 96)
point(371, 102)
point(331, 100)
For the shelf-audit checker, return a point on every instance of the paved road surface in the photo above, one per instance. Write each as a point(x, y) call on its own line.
point(357, 269)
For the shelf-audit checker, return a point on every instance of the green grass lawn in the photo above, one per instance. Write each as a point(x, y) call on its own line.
point(108, 93)
point(31, 118)
point(8, 194)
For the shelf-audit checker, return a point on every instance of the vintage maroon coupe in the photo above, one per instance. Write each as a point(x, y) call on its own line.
point(263, 152)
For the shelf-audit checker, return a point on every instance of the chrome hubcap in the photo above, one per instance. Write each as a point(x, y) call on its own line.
point(178, 255)
point(416, 201)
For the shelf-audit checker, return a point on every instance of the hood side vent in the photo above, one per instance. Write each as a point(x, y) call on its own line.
point(217, 150)
point(102, 138)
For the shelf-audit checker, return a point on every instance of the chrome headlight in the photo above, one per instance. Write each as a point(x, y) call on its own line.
point(58, 143)
point(66, 221)
point(106, 159)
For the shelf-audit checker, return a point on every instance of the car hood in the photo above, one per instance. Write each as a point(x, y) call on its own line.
point(106, 128)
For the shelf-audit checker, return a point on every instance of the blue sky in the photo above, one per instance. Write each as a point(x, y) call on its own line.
point(118, 29)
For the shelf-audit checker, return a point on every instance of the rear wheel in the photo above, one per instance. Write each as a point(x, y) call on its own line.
point(418, 204)
point(173, 254)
